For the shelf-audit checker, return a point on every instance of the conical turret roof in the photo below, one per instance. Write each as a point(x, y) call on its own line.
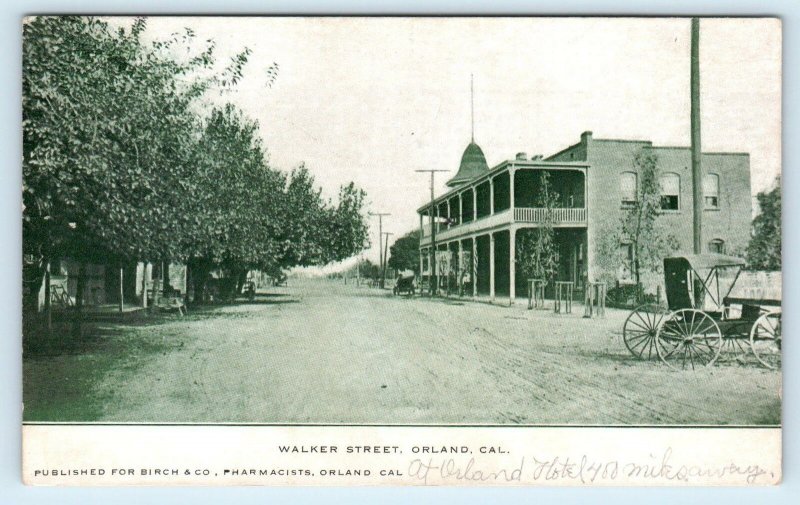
point(473, 164)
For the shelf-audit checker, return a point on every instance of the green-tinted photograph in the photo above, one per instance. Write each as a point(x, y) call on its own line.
point(402, 221)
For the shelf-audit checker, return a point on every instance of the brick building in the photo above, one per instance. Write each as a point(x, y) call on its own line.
point(479, 219)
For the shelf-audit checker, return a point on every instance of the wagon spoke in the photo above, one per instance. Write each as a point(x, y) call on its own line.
point(643, 320)
point(644, 328)
point(690, 327)
point(672, 351)
point(771, 326)
point(708, 352)
point(640, 343)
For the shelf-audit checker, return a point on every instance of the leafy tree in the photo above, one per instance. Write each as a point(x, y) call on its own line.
point(537, 253)
point(108, 139)
point(237, 203)
point(346, 230)
point(120, 165)
point(764, 249)
point(404, 253)
point(639, 225)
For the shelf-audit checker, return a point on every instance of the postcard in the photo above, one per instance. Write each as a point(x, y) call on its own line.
point(401, 251)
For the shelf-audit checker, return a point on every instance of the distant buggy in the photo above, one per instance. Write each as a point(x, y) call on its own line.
point(405, 283)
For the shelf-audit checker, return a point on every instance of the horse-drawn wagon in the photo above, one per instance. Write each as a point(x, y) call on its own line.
point(712, 307)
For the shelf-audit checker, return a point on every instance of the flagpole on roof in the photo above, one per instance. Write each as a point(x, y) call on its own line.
point(472, 106)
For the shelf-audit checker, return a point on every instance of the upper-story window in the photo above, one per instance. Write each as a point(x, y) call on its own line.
point(628, 184)
point(670, 191)
point(711, 191)
point(716, 246)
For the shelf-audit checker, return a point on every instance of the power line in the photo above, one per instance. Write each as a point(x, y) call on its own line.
point(431, 282)
point(380, 241)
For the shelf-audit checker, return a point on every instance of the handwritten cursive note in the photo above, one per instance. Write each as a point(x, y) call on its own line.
point(655, 470)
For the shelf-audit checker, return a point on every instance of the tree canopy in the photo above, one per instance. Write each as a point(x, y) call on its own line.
point(124, 160)
point(764, 250)
point(640, 227)
point(404, 253)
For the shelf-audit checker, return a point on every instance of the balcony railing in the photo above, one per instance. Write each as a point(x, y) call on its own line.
point(558, 216)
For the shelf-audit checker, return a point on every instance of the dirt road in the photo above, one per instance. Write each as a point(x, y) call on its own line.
point(322, 352)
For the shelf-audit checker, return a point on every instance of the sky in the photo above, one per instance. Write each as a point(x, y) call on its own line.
point(371, 100)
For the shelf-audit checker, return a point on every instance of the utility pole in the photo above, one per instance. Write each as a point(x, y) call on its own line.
point(385, 249)
point(697, 169)
point(380, 241)
point(431, 282)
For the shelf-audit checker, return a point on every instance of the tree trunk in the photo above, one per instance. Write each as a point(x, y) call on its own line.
point(121, 288)
point(241, 278)
point(188, 282)
point(79, 295)
point(144, 284)
point(48, 306)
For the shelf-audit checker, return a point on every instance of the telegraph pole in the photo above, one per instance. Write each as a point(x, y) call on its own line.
point(385, 249)
point(433, 285)
point(697, 169)
point(380, 241)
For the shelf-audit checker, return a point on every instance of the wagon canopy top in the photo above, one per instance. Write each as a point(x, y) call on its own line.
point(709, 261)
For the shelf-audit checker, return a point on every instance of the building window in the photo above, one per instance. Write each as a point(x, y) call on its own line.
point(711, 191)
point(670, 191)
point(625, 271)
point(628, 186)
point(716, 246)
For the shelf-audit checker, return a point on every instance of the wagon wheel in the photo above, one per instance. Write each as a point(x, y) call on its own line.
point(765, 339)
point(688, 338)
point(640, 329)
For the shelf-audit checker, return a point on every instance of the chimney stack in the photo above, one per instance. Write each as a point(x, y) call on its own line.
point(522, 156)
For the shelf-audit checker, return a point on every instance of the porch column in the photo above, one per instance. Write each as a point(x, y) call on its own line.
point(491, 266)
point(460, 208)
point(430, 271)
point(588, 256)
point(474, 203)
point(459, 267)
point(448, 214)
point(474, 275)
point(420, 264)
point(491, 196)
point(511, 173)
point(421, 226)
point(512, 267)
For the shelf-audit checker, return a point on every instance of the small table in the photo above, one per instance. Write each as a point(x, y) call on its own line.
point(536, 293)
point(595, 297)
point(563, 295)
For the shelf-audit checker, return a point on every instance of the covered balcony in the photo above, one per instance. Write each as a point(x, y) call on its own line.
point(512, 193)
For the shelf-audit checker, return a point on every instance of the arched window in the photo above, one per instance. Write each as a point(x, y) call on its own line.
point(711, 191)
point(716, 246)
point(670, 191)
point(628, 185)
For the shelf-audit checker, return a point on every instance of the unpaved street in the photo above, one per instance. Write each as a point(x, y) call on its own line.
point(322, 352)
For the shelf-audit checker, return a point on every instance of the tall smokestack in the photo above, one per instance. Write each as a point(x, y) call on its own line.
point(697, 169)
